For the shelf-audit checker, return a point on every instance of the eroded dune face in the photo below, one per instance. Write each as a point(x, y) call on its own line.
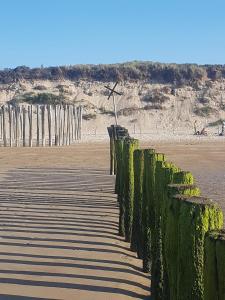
point(143, 108)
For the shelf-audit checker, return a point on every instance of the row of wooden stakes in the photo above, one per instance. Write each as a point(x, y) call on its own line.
point(40, 125)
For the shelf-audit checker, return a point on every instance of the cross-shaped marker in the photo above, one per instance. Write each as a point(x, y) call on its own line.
point(112, 92)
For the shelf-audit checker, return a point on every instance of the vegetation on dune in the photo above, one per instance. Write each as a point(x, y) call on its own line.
point(40, 98)
point(204, 111)
point(216, 123)
point(147, 71)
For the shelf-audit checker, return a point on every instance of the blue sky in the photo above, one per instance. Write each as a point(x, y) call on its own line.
point(63, 32)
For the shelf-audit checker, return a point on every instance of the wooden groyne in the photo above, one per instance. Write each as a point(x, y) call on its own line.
point(177, 233)
point(40, 125)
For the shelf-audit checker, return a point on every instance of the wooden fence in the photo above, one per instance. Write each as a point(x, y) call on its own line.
point(40, 125)
point(177, 233)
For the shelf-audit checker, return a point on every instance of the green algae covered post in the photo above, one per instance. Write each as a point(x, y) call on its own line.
point(171, 233)
point(136, 239)
point(214, 265)
point(146, 233)
point(157, 274)
point(183, 177)
point(197, 215)
point(167, 171)
point(112, 155)
point(148, 208)
point(220, 255)
point(119, 162)
point(128, 150)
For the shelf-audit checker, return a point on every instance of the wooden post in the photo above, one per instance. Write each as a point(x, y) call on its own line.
point(68, 125)
point(14, 122)
point(49, 125)
point(60, 124)
point(24, 125)
point(64, 124)
point(10, 125)
point(80, 122)
point(30, 116)
point(1, 124)
point(38, 127)
point(75, 121)
point(57, 125)
point(4, 126)
point(17, 125)
point(21, 124)
point(43, 125)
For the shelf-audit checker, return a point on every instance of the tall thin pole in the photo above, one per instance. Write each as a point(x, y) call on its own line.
point(115, 111)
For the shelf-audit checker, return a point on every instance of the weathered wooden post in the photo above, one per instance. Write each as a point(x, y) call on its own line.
point(136, 239)
point(60, 125)
point(198, 215)
point(214, 265)
point(38, 126)
point(17, 125)
point(24, 125)
point(21, 124)
point(68, 125)
point(80, 116)
point(4, 126)
point(30, 117)
point(64, 124)
point(71, 123)
point(129, 146)
point(76, 123)
point(43, 125)
point(10, 124)
point(49, 125)
point(56, 110)
point(0, 124)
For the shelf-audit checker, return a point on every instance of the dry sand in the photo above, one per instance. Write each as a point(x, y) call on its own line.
point(59, 219)
point(58, 228)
